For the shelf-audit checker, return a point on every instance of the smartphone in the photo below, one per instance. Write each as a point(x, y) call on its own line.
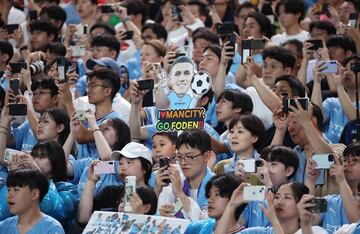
point(10, 153)
point(105, 9)
point(130, 188)
point(16, 67)
point(304, 102)
point(259, 163)
point(231, 38)
point(328, 66)
point(177, 205)
point(177, 55)
point(316, 44)
point(11, 28)
point(81, 114)
point(254, 193)
point(15, 86)
point(258, 44)
point(17, 109)
point(246, 50)
point(320, 205)
point(323, 161)
point(225, 28)
point(176, 12)
point(128, 35)
point(104, 167)
point(353, 17)
point(164, 162)
point(81, 29)
point(78, 50)
point(145, 84)
point(33, 15)
point(61, 68)
point(248, 165)
point(155, 66)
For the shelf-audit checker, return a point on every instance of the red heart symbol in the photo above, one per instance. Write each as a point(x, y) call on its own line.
point(162, 114)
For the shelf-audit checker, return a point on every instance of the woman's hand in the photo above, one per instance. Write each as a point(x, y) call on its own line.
point(227, 53)
point(304, 206)
point(161, 175)
point(311, 173)
point(237, 197)
point(91, 175)
point(136, 204)
point(136, 95)
point(270, 210)
point(74, 123)
point(239, 171)
point(167, 210)
point(90, 117)
point(281, 119)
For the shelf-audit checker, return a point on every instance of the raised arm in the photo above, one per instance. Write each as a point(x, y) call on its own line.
point(137, 132)
point(281, 122)
point(316, 96)
point(87, 197)
point(227, 53)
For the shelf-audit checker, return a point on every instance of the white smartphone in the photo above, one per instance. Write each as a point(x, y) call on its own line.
point(254, 193)
point(323, 161)
point(130, 188)
point(78, 50)
point(329, 66)
point(248, 165)
point(104, 167)
point(81, 114)
point(9, 154)
point(177, 205)
point(81, 29)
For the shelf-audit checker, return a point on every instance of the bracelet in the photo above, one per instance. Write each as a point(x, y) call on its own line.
point(97, 129)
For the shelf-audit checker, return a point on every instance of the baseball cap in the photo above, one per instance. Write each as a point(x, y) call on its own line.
point(104, 62)
point(133, 150)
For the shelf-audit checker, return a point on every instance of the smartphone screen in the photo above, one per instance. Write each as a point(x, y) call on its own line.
point(61, 68)
point(15, 85)
point(353, 17)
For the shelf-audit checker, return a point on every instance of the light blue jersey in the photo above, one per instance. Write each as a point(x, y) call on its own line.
point(253, 216)
point(46, 225)
point(24, 137)
point(335, 217)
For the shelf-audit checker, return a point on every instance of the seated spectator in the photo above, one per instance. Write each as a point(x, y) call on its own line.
point(27, 188)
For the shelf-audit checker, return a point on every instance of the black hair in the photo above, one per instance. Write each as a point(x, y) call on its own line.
point(60, 117)
point(283, 55)
point(203, 8)
point(253, 124)
point(264, 23)
point(356, 4)
point(45, 84)
point(109, 76)
point(44, 26)
point(157, 29)
point(171, 135)
point(135, 7)
point(286, 156)
point(55, 153)
point(225, 183)
point(238, 99)
point(350, 58)
point(298, 46)
point(93, 2)
point(352, 149)
point(246, 5)
point(107, 27)
point(299, 189)
point(266, 152)
point(148, 196)
point(146, 166)
point(107, 41)
point(29, 177)
point(54, 12)
point(57, 48)
point(195, 138)
point(317, 113)
point(297, 88)
point(206, 34)
point(292, 6)
point(216, 49)
point(323, 25)
point(6, 48)
point(344, 42)
point(2, 96)
point(122, 131)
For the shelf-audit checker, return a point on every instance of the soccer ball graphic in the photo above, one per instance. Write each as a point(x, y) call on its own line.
point(201, 83)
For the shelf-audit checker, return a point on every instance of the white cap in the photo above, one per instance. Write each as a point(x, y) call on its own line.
point(133, 150)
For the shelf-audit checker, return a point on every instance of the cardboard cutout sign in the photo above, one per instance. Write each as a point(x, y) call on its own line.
point(113, 222)
point(185, 85)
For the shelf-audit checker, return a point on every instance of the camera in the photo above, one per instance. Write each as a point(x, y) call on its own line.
point(304, 103)
point(38, 67)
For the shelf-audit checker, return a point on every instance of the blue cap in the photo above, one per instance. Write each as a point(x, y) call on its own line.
point(104, 62)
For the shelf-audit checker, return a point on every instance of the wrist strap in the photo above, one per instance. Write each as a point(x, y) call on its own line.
point(97, 129)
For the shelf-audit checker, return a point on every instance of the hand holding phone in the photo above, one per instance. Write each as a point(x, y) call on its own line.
point(320, 205)
point(316, 44)
point(16, 67)
point(15, 86)
point(323, 161)
point(145, 84)
point(249, 165)
point(254, 193)
point(177, 206)
point(62, 69)
point(164, 162)
point(17, 109)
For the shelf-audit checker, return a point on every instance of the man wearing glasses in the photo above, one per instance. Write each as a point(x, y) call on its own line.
point(194, 151)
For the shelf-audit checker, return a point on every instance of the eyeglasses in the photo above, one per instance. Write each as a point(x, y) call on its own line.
point(93, 85)
point(181, 158)
point(39, 93)
point(351, 160)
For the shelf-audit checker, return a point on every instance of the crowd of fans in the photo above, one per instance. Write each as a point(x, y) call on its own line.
point(284, 96)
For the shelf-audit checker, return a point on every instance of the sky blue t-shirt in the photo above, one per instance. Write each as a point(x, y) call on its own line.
point(201, 227)
point(258, 230)
point(335, 119)
point(254, 216)
point(80, 168)
point(335, 217)
point(46, 225)
point(89, 150)
point(24, 137)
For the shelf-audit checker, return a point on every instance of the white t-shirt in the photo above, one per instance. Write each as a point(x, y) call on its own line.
point(177, 36)
point(315, 229)
point(260, 109)
point(16, 16)
point(346, 228)
point(278, 39)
